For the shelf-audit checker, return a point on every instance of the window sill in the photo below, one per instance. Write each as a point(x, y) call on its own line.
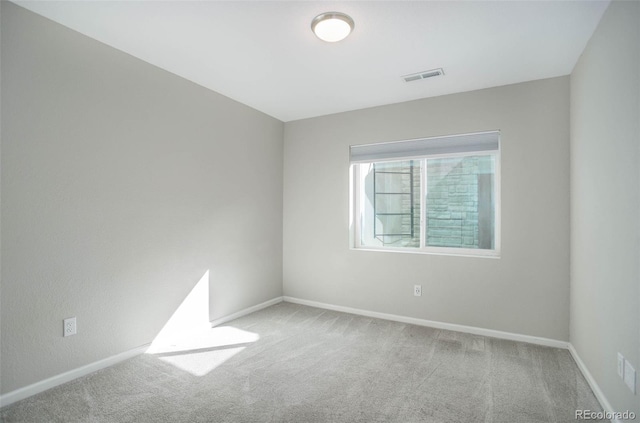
point(490, 254)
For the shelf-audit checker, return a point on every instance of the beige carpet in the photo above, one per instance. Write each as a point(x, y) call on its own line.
point(291, 363)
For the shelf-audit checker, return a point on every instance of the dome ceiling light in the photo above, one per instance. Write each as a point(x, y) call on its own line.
point(332, 26)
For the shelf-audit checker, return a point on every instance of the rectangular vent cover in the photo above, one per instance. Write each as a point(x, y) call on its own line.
point(423, 75)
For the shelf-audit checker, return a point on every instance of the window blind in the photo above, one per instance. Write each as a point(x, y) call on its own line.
point(467, 143)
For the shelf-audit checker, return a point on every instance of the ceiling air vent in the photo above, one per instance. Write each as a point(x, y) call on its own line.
point(423, 75)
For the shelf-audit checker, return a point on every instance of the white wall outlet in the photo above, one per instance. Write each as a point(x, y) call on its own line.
point(630, 376)
point(69, 326)
point(620, 365)
point(417, 290)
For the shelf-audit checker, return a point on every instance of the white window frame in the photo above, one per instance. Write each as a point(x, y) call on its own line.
point(355, 214)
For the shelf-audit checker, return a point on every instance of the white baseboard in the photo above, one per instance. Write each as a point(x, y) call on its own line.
point(27, 391)
point(43, 385)
point(606, 405)
point(246, 311)
point(433, 324)
point(36, 388)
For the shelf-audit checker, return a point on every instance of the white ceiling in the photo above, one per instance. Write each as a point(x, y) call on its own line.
point(264, 54)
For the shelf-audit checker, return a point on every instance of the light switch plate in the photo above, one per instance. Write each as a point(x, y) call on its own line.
point(620, 365)
point(630, 376)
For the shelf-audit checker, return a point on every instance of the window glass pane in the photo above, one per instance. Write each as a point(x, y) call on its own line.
point(460, 203)
point(390, 204)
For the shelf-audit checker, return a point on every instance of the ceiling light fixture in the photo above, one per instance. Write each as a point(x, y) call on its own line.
point(332, 26)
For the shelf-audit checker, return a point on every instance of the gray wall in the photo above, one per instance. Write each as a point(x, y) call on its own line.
point(121, 186)
point(605, 207)
point(525, 291)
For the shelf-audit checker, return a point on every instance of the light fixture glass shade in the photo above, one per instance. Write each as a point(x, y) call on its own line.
point(332, 26)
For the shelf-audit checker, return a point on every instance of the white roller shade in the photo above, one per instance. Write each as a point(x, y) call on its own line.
point(467, 143)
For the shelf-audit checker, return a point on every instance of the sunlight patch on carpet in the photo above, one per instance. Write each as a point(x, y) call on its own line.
point(201, 363)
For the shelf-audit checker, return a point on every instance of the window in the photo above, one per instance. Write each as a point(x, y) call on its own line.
point(438, 195)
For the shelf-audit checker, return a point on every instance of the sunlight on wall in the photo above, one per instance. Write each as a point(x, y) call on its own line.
point(188, 342)
point(191, 316)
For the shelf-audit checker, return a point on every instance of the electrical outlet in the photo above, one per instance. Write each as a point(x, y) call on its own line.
point(630, 376)
point(69, 326)
point(417, 290)
point(620, 366)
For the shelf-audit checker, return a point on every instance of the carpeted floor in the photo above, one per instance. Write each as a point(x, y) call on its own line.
point(291, 363)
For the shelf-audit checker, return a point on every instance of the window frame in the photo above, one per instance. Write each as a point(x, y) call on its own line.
point(355, 212)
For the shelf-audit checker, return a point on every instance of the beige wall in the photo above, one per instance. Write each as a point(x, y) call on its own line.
point(526, 291)
point(605, 207)
point(122, 185)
